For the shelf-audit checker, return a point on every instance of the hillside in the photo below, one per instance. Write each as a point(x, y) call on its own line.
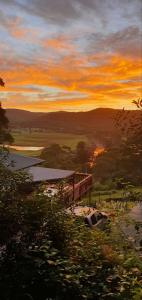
point(19, 118)
point(101, 119)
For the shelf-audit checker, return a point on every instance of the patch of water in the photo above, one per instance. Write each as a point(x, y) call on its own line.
point(25, 148)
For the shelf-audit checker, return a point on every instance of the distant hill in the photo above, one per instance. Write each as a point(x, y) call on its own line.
point(100, 119)
point(19, 117)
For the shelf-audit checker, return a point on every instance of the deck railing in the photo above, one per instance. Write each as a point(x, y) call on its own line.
point(83, 184)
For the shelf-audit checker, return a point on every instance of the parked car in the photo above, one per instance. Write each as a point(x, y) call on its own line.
point(91, 216)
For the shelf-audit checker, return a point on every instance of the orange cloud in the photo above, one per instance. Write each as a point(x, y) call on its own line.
point(112, 82)
point(58, 43)
point(13, 25)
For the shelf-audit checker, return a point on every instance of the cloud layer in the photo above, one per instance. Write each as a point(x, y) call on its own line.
point(73, 55)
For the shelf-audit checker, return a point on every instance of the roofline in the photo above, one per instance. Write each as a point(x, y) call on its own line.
point(52, 180)
point(38, 162)
point(72, 173)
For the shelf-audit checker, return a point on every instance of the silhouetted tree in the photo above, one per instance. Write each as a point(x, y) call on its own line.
point(126, 160)
point(56, 156)
point(82, 155)
point(5, 135)
point(2, 82)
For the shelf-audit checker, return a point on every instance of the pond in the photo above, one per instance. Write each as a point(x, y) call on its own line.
point(25, 148)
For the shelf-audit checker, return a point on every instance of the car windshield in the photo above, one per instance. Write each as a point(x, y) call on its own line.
point(86, 221)
point(93, 219)
point(99, 216)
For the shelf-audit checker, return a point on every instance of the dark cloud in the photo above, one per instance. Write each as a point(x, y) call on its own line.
point(8, 22)
point(7, 2)
point(56, 11)
point(127, 42)
point(60, 11)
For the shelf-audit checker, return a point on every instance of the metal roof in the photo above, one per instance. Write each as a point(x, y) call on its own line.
point(16, 162)
point(40, 174)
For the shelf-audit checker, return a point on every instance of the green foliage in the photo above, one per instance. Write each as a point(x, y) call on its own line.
point(57, 156)
point(82, 153)
point(124, 161)
point(13, 188)
point(11, 183)
point(48, 254)
point(5, 135)
point(63, 157)
point(109, 185)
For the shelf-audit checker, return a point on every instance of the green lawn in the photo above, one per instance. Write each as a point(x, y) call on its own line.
point(44, 139)
point(104, 199)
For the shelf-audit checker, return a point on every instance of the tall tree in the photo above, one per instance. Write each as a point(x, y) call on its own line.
point(126, 160)
point(57, 156)
point(5, 136)
point(83, 154)
point(2, 82)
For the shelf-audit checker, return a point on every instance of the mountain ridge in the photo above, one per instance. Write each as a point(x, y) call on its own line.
point(99, 119)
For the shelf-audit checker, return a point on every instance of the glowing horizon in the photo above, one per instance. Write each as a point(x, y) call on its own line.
point(70, 55)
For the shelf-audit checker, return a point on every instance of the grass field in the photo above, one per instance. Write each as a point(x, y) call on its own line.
point(44, 139)
point(102, 197)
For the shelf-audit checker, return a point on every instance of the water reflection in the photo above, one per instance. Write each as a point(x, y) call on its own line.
point(25, 148)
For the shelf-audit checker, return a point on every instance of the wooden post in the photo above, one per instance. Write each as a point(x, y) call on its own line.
point(90, 196)
point(73, 184)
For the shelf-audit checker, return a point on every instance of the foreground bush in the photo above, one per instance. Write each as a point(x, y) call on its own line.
point(46, 254)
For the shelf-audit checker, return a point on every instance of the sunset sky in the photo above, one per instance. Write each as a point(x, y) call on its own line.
point(70, 54)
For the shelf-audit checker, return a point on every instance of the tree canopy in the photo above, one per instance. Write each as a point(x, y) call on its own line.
point(2, 82)
point(5, 136)
point(124, 160)
point(46, 253)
